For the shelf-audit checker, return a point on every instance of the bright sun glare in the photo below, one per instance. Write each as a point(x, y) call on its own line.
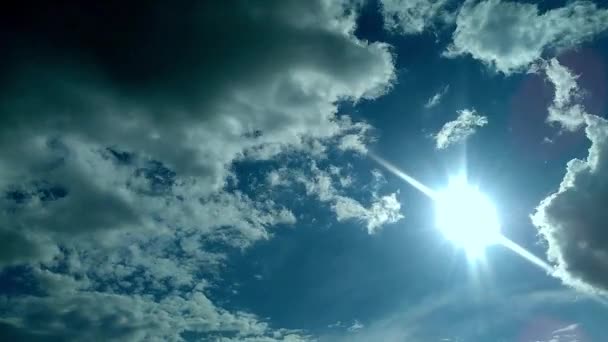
point(467, 217)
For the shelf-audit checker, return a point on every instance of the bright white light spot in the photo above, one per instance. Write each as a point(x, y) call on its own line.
point(467, 217)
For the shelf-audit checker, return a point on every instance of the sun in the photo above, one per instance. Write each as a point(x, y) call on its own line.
point(466, 217)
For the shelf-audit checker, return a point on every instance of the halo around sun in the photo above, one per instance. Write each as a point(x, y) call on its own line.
point(466, 217)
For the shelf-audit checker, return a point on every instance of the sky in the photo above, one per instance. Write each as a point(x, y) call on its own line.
point(212, 171)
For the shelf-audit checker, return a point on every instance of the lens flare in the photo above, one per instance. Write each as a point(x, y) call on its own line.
point(466, 217)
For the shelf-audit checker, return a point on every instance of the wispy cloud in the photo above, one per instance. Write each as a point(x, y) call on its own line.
point(436, 99)
point(564, 110)
point(465, 125)
point(327, 186)
point(566, 329)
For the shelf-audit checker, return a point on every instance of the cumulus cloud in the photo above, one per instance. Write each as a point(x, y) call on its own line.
point(564, 110)
point(511, 35)
point(413, 16)
point(465, 125)
point(436, 99)
point(118, 140)
point(572, 220)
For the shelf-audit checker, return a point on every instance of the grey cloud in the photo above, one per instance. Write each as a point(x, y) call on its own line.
point(195, 106)
point(572, 220)
point(117, 139)
point(164, 104)
point(511, 35)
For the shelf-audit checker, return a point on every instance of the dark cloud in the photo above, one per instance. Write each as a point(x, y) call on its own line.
point(119, 127)
point(573, 219)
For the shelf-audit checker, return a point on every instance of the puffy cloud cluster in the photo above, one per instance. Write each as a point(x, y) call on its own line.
point(511, 35)
point(120, 126)
point(465, 125)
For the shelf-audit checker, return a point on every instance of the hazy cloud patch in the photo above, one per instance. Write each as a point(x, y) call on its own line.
point(436, 99)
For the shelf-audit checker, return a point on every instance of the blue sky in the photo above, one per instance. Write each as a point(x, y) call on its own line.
point(206, 172)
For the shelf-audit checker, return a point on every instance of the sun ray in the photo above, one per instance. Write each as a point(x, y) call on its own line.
point(409, 179)
point(466, 217)
point(506, 242)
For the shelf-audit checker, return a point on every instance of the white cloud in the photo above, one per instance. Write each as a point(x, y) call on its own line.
point(465, 125)
point(572, 220)
point(566, 329)
point(564, 109)
point(436, 99)
point(323, 184)
point(413, 16)
point(383, 210)
point(512, 35)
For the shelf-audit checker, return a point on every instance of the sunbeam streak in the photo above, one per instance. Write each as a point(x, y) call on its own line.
point(409, 179)
point(468, 222)
point(503, 240)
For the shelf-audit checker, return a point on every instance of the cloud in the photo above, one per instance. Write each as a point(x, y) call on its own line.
point(435, 99)
point(465, 125)
point(413, 16)
point(356, 326)
point(566, 329)
point(112, 317)
point(119, 141)
point(320, 183)
point(510, 36)
point(572, 220)
point(564, 109)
